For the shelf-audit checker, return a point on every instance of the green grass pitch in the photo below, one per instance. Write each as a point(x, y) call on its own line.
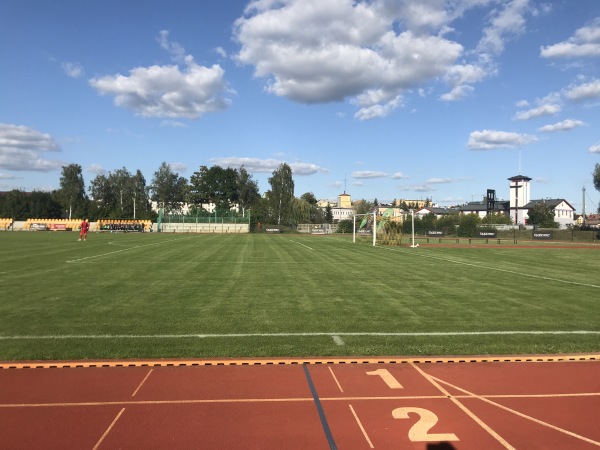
point(173, 295)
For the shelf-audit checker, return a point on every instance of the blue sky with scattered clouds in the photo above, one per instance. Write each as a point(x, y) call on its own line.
point(384, 99)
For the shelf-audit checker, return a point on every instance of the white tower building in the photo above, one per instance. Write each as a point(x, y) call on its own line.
point(520, 195)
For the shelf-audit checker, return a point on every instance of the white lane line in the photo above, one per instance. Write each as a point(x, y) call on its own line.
point(108, 430)
point(466, 410)
point(525, 416)
point(142, 383)
point(360, 425)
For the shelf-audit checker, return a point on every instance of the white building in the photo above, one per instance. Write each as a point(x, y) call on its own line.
point(520, 203)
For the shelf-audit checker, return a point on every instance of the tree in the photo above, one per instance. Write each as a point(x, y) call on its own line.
point(363, 207)
point(215, 185)
point(299, 211)
point(310, 198)
point(345, 226)
point(468, 225)
point(71, 194)
point(120, 195)
point(42, 204)
point(248, 193)
point(281, 194)
point(122, 185)
point(328, 214)
point(103, 197)
point(542, 216)
point(14, 205)
point(316, 213)
point(168, 188)
point(141, 200)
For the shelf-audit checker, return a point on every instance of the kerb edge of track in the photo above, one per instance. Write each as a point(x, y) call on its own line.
point(294, 361)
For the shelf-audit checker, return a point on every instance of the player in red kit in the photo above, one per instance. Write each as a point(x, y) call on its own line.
point(85, 226)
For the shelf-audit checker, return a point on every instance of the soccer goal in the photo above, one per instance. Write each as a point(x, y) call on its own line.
point(382, 229)
point(367, 228)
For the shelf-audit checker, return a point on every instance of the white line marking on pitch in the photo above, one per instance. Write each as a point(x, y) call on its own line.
point(338, 340)
point(246, 335)
point(299, 243)
point(124, 250)
point(512, 272)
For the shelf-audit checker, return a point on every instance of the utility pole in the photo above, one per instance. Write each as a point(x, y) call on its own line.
point(583, 212)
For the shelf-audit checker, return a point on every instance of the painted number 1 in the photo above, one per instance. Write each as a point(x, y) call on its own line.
point(387, 378)
point(419, 432)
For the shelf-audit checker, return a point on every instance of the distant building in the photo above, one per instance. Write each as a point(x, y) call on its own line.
point(517, 208)
point(343, 210)
point(416, 204)
point(344, 201)
point(438, 212)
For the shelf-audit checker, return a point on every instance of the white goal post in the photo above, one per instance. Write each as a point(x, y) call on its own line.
point(373, 226)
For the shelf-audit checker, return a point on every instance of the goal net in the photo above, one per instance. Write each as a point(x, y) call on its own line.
point(377, 228)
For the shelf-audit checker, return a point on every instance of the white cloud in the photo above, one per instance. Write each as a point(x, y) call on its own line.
point(21, 149)
point(168, 91)
point(173, 124)
point(504, 23)
point(584, 43)
point(178, 167)
point(458, 93)
point(417, 188)
point(221, 52)
point(300, 168)
point(565, 125)
point(368, 174)
point(316, 51)
point(73, 70)
point(257, 165)
point(439, 180)
point(491, 139)
point(594, 148)
point(542, 110)
point(372, 53)
point(398, 176)
point(96, 169)
point(583, 92)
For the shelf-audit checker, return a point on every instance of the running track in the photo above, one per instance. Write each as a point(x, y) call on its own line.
point(546, 402)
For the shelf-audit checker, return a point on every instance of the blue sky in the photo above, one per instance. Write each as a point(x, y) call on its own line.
point(384, 99)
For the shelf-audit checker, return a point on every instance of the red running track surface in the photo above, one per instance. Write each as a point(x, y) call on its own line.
point(332, 405)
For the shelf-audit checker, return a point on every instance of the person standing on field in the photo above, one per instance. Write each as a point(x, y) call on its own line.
point(85, 226)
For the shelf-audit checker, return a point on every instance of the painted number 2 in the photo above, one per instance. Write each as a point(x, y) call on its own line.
point(419, 432)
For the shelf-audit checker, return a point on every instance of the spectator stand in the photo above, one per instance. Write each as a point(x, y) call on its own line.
point(5, 224)
point(123, 225)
